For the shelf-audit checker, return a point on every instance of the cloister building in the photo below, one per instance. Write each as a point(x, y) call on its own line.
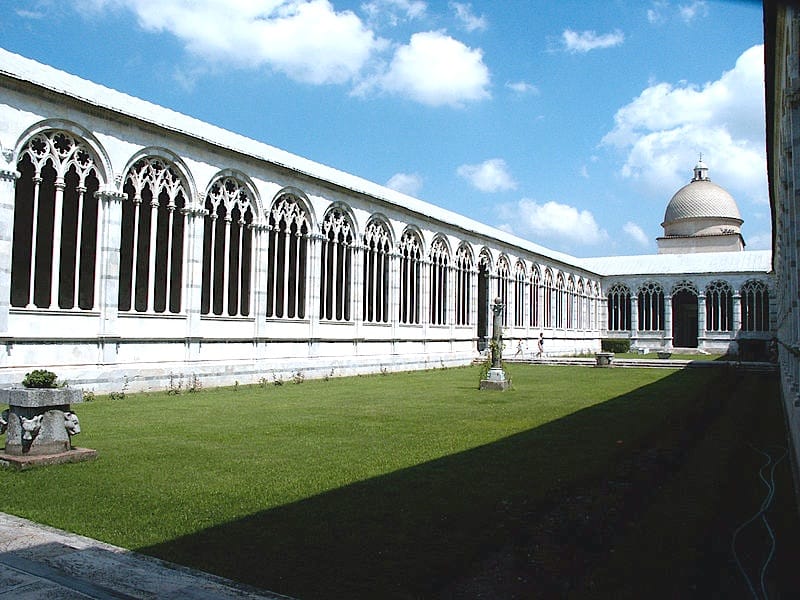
point(139, 245)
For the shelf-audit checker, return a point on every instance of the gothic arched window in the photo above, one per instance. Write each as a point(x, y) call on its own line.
point(151, 248)
point(336, 266)
point(560, 295)
point(227, 249)
point(719, 306)
point(464, 266)
point(410, 277)
point(755, 306)
point(619, 308)
point(288, 227)
point(651, 307)
point(520, 280)
point(503, 277)
point(582, 312)
point(549, 292)
point(536, 284)
point(571, 300)
point(377, 250)
point(55, 243)
point(439, 268)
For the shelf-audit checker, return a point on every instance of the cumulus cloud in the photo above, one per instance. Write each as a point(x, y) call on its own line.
point(553, 221)
point(467, 18)
point(489, 176)
point(665, 128)
point(689, 12)
point(407, 183)
point(437, 70)
point(636, 233)
point(307, 40)
point(585, 41)
point(522, 87)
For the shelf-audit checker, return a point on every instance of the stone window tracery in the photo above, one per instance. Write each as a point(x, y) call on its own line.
point(287, 252)
point(582, 312)
point(336, 266)
point(536, 284)
point(227, 249)
point(410, 277)
point(152, 240)
point(503, 276)
point(463, 269)
point(559, 300)
point(439, 270)
point(755, 306)
point(549, 293)
point(619, 308)
point(377, 252)
point(719, 306)
point(520, 281)
point(571, 303)
point(651, 307)
point(56, 216)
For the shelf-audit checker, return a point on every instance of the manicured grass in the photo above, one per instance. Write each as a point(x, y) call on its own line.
point(675, 356)
point(384, 486)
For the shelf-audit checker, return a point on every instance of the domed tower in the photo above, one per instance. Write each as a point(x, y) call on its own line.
point(701, 217)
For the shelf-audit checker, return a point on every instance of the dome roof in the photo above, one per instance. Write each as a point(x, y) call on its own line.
point(701, 198)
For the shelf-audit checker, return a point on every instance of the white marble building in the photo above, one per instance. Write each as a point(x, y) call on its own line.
point(138, 245)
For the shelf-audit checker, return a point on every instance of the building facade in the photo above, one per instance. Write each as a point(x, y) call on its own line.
point(139, 246)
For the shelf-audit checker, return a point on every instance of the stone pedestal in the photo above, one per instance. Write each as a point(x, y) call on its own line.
point(604, 359)
point(39, 423)
point(495, 380)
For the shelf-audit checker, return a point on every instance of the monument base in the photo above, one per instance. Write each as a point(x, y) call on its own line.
point(26, 461)
point(495, 380)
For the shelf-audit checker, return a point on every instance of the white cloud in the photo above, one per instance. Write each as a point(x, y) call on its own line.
point(308, 40)
point(489, 176)
point(584, 41)
point(689, 12)
point(436, 70)
point(407, 183)
point(554, 221)
point(667, 125)
point(394, 12)
point(467, 18)
point(759, 241)
point(636, 233)
point(522, 87)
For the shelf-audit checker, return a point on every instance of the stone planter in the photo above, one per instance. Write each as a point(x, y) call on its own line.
point(663, 354)
point(603, 359)
point(39, 421)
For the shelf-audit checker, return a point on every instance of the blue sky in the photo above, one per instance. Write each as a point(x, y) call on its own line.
point(567, 123)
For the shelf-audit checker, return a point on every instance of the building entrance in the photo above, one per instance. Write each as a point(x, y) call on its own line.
point(684, 319)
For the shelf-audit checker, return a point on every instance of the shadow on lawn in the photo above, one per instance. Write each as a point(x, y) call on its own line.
point(531, 515)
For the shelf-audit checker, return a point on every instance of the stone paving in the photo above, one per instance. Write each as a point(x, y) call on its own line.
point(38, 562)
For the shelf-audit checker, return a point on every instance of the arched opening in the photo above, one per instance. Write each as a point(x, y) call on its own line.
point(483, 306)
point(684, 319)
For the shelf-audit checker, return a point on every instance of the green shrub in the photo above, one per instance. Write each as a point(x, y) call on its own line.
point(39, 378)
point(616, 346)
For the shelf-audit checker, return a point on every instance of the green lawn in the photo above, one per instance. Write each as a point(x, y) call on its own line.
point(407, 485)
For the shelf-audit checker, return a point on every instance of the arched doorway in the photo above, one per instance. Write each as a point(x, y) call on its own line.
point(483, 306)
point(684, 319)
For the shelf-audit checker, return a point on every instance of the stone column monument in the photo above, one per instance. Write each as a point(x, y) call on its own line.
point(496, 377)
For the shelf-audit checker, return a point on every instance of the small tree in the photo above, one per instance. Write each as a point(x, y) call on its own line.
point(40, 378)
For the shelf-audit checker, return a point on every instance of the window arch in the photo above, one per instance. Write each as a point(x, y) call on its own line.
point(571, 303)
point(755, 306)
point(651, 307)
point(439, 257)
point(533, 306)
point(410, 277)
point(582, 312)
point(151, 248)
point(619, 308)
point(463, 268)
point(719, 306)
point(287, 251)
point(377, 250)
point(56, 215)
point(520, 281)
point(559, 301)
point(503, 276)
point(549, 292)
point(336, 265)
point(227, 248)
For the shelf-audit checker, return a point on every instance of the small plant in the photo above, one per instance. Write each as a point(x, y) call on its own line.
point(298, 378)
point(262, 382)
point(88, 396)
point(175, 385)
point(120, 395)
point(236, 386)
point(384, 370)
point(40, 378)
point(276, 379)
point(194, 385)
point(328, 377)
point(616, 346)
